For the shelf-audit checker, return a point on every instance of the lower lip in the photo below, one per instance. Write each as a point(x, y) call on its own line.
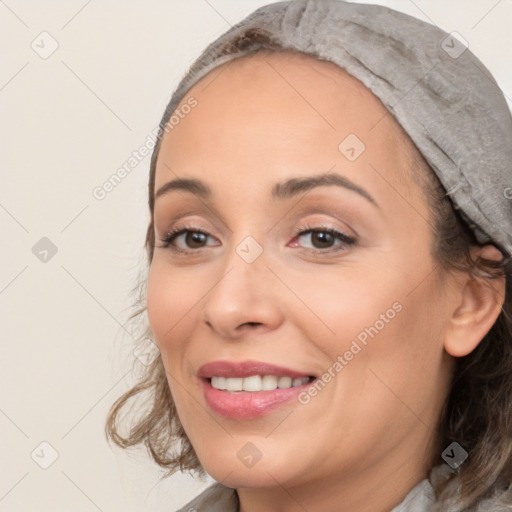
point(248, 404)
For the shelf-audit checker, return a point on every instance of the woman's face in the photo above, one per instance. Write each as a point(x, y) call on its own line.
point(356, 305)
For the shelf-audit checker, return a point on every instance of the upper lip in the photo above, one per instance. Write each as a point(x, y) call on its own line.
point(246, 369)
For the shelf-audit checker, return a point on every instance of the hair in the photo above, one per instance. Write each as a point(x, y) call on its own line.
point(477, 412)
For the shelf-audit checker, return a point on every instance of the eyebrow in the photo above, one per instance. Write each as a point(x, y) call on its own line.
point(284, 190)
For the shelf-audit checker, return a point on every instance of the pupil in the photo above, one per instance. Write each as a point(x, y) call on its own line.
point(195, 238)
point(324, 238)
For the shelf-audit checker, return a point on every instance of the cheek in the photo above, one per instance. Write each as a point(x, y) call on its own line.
point(401, 363)
point(344, 304)
point(391, 355)
point(170, 302)
point(376, 321)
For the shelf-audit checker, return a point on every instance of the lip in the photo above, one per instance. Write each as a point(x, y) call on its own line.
point(247, 404)
point(246, 369)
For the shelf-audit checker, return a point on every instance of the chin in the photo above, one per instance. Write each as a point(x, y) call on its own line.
point(232, 473)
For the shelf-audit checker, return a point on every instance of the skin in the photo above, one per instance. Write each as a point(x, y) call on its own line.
point(370, 435)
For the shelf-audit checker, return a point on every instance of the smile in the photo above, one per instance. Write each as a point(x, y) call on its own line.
point(250, 389)
point(257, 383)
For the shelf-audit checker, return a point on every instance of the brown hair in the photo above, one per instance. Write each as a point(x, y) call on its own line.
point(478, 411)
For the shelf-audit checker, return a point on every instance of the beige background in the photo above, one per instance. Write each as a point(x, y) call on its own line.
point(67, 123)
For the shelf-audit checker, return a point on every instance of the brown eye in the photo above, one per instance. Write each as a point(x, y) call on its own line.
point(194, 239)
point(324, 239)
point(191, 239)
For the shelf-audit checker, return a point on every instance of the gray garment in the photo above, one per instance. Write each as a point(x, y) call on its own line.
point(440, 93)
point(219, 498)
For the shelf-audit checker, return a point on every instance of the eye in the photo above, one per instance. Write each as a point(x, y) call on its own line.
point(194, 238)
point(323, 239)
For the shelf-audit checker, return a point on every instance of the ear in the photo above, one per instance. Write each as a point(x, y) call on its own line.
point(479, 304)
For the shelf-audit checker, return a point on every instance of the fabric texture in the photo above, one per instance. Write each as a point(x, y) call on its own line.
point(439, 92)
point(219, 498)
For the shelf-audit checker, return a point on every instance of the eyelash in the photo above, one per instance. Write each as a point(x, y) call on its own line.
point(306, 229)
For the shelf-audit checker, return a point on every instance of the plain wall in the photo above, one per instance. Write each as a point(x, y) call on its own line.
point(67, 123)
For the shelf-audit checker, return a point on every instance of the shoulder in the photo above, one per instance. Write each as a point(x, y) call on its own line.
point(500, 501)
point(216, 498)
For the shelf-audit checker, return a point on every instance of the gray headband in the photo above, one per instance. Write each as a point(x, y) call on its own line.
point(441, 94)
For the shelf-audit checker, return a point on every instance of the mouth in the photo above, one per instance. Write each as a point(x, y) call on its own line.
point(255, 383)
point(249, 389)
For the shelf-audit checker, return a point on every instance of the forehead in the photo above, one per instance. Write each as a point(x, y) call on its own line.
point(276, 109)
point(297, 79)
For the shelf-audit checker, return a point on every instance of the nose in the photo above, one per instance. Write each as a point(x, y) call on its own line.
point(244, 300)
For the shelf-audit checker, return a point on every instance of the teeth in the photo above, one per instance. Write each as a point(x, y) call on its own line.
point(234, 384)
point(219, 382)
point(252, 383)
point(269, 383)
point(257, 383)
point(284, 382)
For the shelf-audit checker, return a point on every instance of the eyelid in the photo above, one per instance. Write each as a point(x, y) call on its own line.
point(324, 205)
point(196, 213)
point(331, 211)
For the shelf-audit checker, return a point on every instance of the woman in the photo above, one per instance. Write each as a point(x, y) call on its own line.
point(329, 281)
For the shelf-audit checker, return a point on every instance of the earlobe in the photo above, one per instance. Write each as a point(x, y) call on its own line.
point(481, 301)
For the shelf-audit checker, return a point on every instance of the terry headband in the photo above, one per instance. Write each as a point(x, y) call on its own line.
point(439, 92)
